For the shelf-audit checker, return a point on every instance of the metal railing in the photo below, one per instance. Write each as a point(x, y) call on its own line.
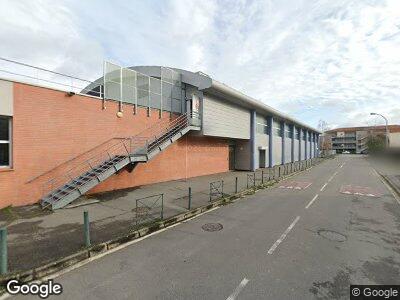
point(15, 70)
point(142, 143)
point(149, 209)
point(216, 190)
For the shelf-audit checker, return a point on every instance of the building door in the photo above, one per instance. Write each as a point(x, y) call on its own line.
point(261, 158)
point(231, 157)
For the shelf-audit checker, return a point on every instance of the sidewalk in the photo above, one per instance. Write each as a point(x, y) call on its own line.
point(389, 168)
point(37, 236)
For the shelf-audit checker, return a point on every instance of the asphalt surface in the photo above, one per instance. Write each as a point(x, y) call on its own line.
point(271, 246)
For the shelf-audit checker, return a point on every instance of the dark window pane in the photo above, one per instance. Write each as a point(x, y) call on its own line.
point(4, 129)
point(4, 154)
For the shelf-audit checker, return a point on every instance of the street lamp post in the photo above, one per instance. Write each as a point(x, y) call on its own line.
point(387, 128)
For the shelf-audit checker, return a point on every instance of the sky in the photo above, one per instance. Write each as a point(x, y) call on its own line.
point(335, 61)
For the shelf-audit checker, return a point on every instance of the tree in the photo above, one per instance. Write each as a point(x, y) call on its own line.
point(376, 143)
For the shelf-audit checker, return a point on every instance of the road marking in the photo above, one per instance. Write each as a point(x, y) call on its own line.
point(278, 241)
point(312, 201)
point(323, 187)
point(238, 289)
point(334, 174)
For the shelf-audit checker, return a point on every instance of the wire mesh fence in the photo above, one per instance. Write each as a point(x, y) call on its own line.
point(120, 212)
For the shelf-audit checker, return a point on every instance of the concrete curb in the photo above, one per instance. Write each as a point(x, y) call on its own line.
point(395, 188)
point(83, 255)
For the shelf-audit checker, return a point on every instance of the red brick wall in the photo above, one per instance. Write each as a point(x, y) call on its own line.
point(50, 129)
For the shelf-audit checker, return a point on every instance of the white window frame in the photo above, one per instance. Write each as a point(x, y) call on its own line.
point(9, 142)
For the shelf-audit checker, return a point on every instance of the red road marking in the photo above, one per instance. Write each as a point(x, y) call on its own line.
point(359, 190)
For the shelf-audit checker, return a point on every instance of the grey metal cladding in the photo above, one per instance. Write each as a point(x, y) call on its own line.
point(296, 150)
point(288, 150)
point(224, 119)
point(277, 151)
point(242, 155)
point(262, 141)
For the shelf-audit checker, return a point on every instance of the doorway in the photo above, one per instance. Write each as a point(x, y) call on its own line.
point(231, 157)
point(261, 161)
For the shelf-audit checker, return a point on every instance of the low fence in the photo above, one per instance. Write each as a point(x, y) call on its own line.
point(124, 215)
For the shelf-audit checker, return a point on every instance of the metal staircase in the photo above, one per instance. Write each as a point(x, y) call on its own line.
point(126, 153)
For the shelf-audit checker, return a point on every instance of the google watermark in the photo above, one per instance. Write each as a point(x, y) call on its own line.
point(374, 292)
point(42, 289)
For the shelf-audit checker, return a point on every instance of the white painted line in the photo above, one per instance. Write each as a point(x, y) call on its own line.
point(238, 289)
point(278, 241)
point(323, 187)
point(307, 185)
point(312, 201)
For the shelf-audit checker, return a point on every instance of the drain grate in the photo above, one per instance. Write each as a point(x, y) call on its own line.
point(212, 227)
point(332, 235)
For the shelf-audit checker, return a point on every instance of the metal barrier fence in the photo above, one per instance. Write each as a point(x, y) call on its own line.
point(216, 190)
point(149, 209)
point(15, 70)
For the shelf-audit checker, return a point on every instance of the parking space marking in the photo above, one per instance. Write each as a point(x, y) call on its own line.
point(283, 236)
point(359, 190)
point(296, 185)
point(312, 201)
point(323, 187)
point(238, 289)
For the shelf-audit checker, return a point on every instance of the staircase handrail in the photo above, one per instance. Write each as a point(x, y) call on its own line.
point(125, 146)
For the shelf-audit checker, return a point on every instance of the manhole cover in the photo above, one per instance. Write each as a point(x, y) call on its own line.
point(212, 227)
point(141, 210)
point(332, 235)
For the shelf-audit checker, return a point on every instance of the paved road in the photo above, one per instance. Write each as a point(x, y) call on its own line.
point(280, 243)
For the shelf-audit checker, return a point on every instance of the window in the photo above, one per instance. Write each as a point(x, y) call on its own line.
point(5, 141)
point(297, 137)
point(277, 129)
point(288, 131)
point(262, 125)
point(304, 136)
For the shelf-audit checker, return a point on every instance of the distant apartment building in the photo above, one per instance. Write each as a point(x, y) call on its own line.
point(354, 139)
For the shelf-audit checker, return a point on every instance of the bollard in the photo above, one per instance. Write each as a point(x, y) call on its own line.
point(190, 198)
point(86, 228)
point(222, 188)
point(3, 251)
point(236, 185)
point(262, 176)
point(254, 179)
point(162, 206)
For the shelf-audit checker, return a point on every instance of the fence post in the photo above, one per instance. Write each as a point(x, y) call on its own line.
point(162, 206)
point(3, 251)
point(190, 198)
point(86, 228)
point(236, 185)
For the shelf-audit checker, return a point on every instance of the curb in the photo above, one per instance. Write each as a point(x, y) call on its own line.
point(395, 188)
point(81, 256)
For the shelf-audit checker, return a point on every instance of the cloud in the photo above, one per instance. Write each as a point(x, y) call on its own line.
point(330, 60)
